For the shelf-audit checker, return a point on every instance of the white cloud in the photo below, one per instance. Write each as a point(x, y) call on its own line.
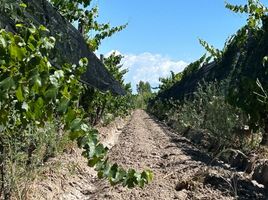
point(148, 67)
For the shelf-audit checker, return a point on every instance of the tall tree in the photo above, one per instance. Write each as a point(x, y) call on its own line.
point(144, 87)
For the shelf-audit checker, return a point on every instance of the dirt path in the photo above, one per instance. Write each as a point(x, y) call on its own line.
point(181, 171)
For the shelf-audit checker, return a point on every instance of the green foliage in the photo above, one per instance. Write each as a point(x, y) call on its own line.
point(100, 105)
point(215, 53)
point(114, 66)
point(255, 10)
point(39, 102)
point(245, 54)
point(207, 111)
point(253, 67)
point(35, 93)
point(193, 67)
point(144, 87)
point(161, 108)
point(32, 93)
point(168, 82)
point(81, 12)
point(11, 5)
point(242, 61)
point(144, 95)
point(119, 105)
point(263, 96)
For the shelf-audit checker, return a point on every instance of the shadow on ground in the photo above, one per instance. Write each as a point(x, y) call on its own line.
point(229, 183)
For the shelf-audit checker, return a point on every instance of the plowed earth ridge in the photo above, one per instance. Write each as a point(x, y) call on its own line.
point(181, 170)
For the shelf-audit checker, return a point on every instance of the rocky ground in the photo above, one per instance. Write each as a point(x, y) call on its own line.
point(181, 171)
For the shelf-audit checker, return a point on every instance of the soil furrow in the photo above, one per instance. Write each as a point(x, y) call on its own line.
point(181, 171)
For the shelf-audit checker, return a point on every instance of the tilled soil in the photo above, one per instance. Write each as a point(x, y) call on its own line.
point(181, 171)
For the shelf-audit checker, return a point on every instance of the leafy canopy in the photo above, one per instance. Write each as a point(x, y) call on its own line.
point(34, 91)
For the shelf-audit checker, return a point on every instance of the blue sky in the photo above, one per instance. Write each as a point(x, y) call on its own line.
point(163, 35)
